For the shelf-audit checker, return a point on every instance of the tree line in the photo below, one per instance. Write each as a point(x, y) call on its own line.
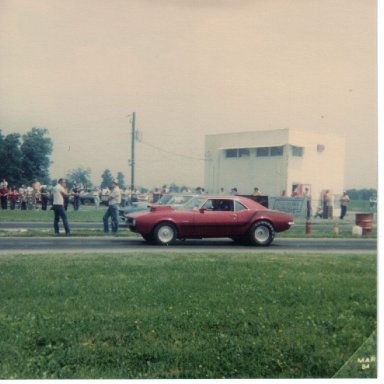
point(25, 158)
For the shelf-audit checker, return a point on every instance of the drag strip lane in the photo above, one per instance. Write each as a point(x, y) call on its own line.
point(119, 244)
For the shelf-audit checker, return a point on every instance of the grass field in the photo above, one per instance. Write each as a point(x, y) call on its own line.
point(84, 214)
point(145, 315)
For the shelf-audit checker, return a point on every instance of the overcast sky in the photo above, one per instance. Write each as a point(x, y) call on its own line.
point(186, 68)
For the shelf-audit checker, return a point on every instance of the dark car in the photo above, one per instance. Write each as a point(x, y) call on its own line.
point(236, 217)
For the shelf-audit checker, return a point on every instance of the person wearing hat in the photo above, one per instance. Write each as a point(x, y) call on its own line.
point(114, 200)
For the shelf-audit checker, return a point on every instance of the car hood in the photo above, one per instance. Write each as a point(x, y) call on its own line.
point(160, 208)
point(150, 210)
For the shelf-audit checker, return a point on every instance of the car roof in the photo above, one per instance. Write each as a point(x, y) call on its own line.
point(246, 200)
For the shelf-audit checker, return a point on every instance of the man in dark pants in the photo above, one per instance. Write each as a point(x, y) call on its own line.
point(114, 200)
point(59, 193)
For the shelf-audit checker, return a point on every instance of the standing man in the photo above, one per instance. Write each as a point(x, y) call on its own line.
point(344, 200)
point(325, 202)
point(76, 197)
point(44, 197)
point(4, 194)
point(59, 194)
point(114, 200)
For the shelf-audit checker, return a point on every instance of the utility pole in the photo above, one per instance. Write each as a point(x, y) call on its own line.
point(133, 139)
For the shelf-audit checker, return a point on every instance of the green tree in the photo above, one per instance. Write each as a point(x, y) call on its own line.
point(121, 180)
point(10, 159)
point(35, 150)
point(106, 179)
point(80, 176)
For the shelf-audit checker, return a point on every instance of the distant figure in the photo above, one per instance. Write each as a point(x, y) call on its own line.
point(124, 198)
point(59, 194)
point(344, 200)
point(76, 197)
point(372, 203)
point(308, 197)
point(234, 191)
point(156, 195)
point(296, 193)
point(325, 203)
point(96, 198)
point(13, 195)
point(44, 197)
point(114, 200)
point(256, 192)
point(4, 194)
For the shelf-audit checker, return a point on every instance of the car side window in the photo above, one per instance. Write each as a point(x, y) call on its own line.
point(239, 207)
point(209, 205)
point(224, 205)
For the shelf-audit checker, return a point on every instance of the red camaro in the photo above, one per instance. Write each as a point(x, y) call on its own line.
point(236, 217)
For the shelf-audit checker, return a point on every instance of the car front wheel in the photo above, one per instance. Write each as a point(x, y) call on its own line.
point(165, 233)
point(262, 233)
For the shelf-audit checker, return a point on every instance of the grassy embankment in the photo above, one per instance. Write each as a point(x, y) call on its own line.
point(142, 315)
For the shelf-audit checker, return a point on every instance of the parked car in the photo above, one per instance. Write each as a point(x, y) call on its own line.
point(86, 197)
point(172, 199)
point(236, 217)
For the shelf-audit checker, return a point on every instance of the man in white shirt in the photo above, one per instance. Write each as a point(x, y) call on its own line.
point(114, 199)
point(59, 193)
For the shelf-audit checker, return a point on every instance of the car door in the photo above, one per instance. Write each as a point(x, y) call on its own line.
point(216, 218)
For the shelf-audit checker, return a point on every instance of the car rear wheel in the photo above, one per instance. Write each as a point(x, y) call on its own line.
point(262, 233)
point(165, 233)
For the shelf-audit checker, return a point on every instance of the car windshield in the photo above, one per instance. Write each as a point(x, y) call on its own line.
point(164, 200)
point(180, 199)
point(195, 203)
point(174, 199)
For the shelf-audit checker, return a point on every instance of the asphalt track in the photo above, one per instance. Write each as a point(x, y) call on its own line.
point(111, 244)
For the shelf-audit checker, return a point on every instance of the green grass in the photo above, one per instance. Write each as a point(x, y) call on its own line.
point(84, 214)
point(146, 315)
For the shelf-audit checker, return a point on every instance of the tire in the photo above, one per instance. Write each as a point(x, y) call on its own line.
point(165, 233)
point(261, 233)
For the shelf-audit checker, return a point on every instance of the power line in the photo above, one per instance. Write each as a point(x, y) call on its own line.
point(172, 153)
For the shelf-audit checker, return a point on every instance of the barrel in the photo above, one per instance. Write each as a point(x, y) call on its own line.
point(364, 220)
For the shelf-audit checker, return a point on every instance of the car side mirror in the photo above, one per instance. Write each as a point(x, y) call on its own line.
point(202, 210)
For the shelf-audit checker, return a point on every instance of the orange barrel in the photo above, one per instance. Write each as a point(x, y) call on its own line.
point(364, 220)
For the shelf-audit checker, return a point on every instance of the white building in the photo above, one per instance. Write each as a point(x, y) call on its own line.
point(275, 161)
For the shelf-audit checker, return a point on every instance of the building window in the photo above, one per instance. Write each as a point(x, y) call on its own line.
point(262, 151)
point(231, 153)
point(243, 152)
point(297, 151)
point(277, 151)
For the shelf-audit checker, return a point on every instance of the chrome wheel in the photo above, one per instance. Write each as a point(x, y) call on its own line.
point(262, 233)
point(165, 233)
